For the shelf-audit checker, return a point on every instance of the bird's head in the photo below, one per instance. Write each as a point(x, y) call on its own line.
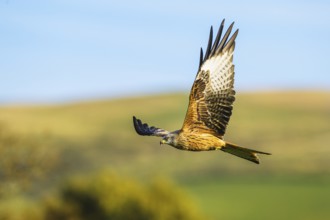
point(170, 139)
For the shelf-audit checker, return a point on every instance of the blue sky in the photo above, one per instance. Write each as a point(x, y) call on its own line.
point(59, 51)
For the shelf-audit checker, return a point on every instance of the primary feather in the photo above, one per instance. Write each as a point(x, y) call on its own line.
point(144, 129)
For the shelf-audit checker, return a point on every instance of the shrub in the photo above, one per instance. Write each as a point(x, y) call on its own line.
point(107, 196)
point(24, 159)
point(20, 208)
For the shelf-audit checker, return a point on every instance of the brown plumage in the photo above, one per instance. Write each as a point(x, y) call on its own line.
point(210, 103)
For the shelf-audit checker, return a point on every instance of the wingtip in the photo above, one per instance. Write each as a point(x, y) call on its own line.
point(232, 24)
point(209, 44)
point(135, 120)
point(217, 38)
point(223, 21)
point(200, 58)
point(231, 41)
point(223, 42)
point(135, 124)
point(138, 125)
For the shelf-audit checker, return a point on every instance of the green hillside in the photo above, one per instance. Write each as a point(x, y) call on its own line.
point(83, 138)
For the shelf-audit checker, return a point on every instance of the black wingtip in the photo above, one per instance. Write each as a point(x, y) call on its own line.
point(224, 39)
point(136, 123)
point(209, 44)
point(220, 44)
point(217, 38)
point(231, 41)
point(139, 127)
point(201, 58)
point(144, 129)
point(135, 120)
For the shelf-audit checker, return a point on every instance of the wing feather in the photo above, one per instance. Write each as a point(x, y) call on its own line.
point(212, 94)
point(217, 39)
point(209, 44)
point(224, 39)
point(144, 129)
point(201, 58)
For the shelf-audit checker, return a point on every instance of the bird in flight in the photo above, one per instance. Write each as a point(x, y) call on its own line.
point(210, 103)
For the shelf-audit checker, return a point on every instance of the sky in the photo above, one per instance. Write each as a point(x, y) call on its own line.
point(61, 51)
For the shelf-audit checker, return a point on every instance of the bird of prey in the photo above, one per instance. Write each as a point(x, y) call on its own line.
point(210, 103)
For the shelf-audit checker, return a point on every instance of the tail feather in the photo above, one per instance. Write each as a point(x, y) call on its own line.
point(245, 153)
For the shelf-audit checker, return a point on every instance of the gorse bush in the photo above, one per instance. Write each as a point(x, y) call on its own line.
point(107, 196)
point(20, 208)
point(24, 159)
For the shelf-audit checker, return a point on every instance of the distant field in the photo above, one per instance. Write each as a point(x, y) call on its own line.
point(293, 126)
point(281, 198)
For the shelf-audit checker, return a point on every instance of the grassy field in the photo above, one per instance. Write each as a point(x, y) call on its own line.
point(279, 198)
point(293, 183)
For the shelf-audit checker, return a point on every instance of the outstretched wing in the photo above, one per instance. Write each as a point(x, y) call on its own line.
point(144, 129)
point(212, 94)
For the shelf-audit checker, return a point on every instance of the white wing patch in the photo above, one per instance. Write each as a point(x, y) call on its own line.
point(221, 70)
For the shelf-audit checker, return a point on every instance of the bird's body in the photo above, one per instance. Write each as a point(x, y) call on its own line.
point(198, 142)
point(210, 103)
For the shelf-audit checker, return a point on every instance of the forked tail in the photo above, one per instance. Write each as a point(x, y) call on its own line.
point(245, 153)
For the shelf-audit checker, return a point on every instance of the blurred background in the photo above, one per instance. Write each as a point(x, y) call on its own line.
point(73, 73)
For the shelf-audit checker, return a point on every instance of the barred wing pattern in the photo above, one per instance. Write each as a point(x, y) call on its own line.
point(145, 130)
point(212, 94)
